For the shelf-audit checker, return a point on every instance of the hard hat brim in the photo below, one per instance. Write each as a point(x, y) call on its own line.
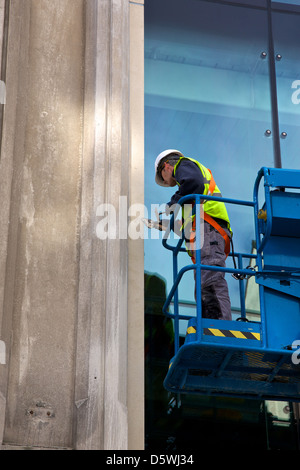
point(165, 153)
point(160, 181)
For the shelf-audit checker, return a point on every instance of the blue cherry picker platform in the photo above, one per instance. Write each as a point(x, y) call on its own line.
point(248, 359)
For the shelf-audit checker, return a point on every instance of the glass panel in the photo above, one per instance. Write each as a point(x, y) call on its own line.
point(287, 5)
point(286, 32)
point(281, 431)
point(207, 95)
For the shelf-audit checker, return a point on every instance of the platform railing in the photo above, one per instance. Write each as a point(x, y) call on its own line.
point(239, 271)
point(273, 178)
point(229, 366)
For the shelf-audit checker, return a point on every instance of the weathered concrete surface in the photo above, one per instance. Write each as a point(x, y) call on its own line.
point(136, 247)
point(45, 76)
point(103, 290)
point(68, 299)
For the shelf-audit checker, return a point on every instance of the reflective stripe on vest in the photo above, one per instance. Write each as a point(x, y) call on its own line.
point(213, 208)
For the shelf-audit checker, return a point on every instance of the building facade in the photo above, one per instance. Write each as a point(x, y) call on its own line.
point(222, 86)
point(90, 92)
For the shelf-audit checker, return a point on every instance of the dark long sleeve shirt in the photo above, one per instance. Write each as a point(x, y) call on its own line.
point(190, 179)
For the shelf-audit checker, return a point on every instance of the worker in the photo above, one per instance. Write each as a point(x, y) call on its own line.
point(173, 168)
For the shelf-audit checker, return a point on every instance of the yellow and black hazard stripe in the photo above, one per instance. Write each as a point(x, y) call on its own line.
point(227, 333)
point(232, 333)
point(190, 330)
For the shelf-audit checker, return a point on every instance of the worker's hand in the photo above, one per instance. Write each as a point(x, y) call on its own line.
point(161, 225)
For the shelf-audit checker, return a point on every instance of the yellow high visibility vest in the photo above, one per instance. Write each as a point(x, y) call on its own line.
point(212, 208)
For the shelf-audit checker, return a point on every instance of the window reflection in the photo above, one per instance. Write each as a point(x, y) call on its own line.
point(286, 32)
point(207, 93)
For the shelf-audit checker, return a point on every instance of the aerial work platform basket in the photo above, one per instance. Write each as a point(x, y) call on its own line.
point(249, 359)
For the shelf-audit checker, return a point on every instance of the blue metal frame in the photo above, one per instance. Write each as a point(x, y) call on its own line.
point(198, 266)
point(233, 366)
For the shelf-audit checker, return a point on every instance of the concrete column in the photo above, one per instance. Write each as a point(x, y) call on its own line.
point(40, 210)
point(71, 304)
point(3, 245)
point(111, 305)
point(101, 372)
point(136, 247)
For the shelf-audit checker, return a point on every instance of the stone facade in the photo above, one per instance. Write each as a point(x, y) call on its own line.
point(71, 304)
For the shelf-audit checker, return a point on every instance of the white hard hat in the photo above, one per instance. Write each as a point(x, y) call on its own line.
point(165, 153)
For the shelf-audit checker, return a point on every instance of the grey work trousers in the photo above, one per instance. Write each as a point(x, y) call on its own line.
point(215, 299)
